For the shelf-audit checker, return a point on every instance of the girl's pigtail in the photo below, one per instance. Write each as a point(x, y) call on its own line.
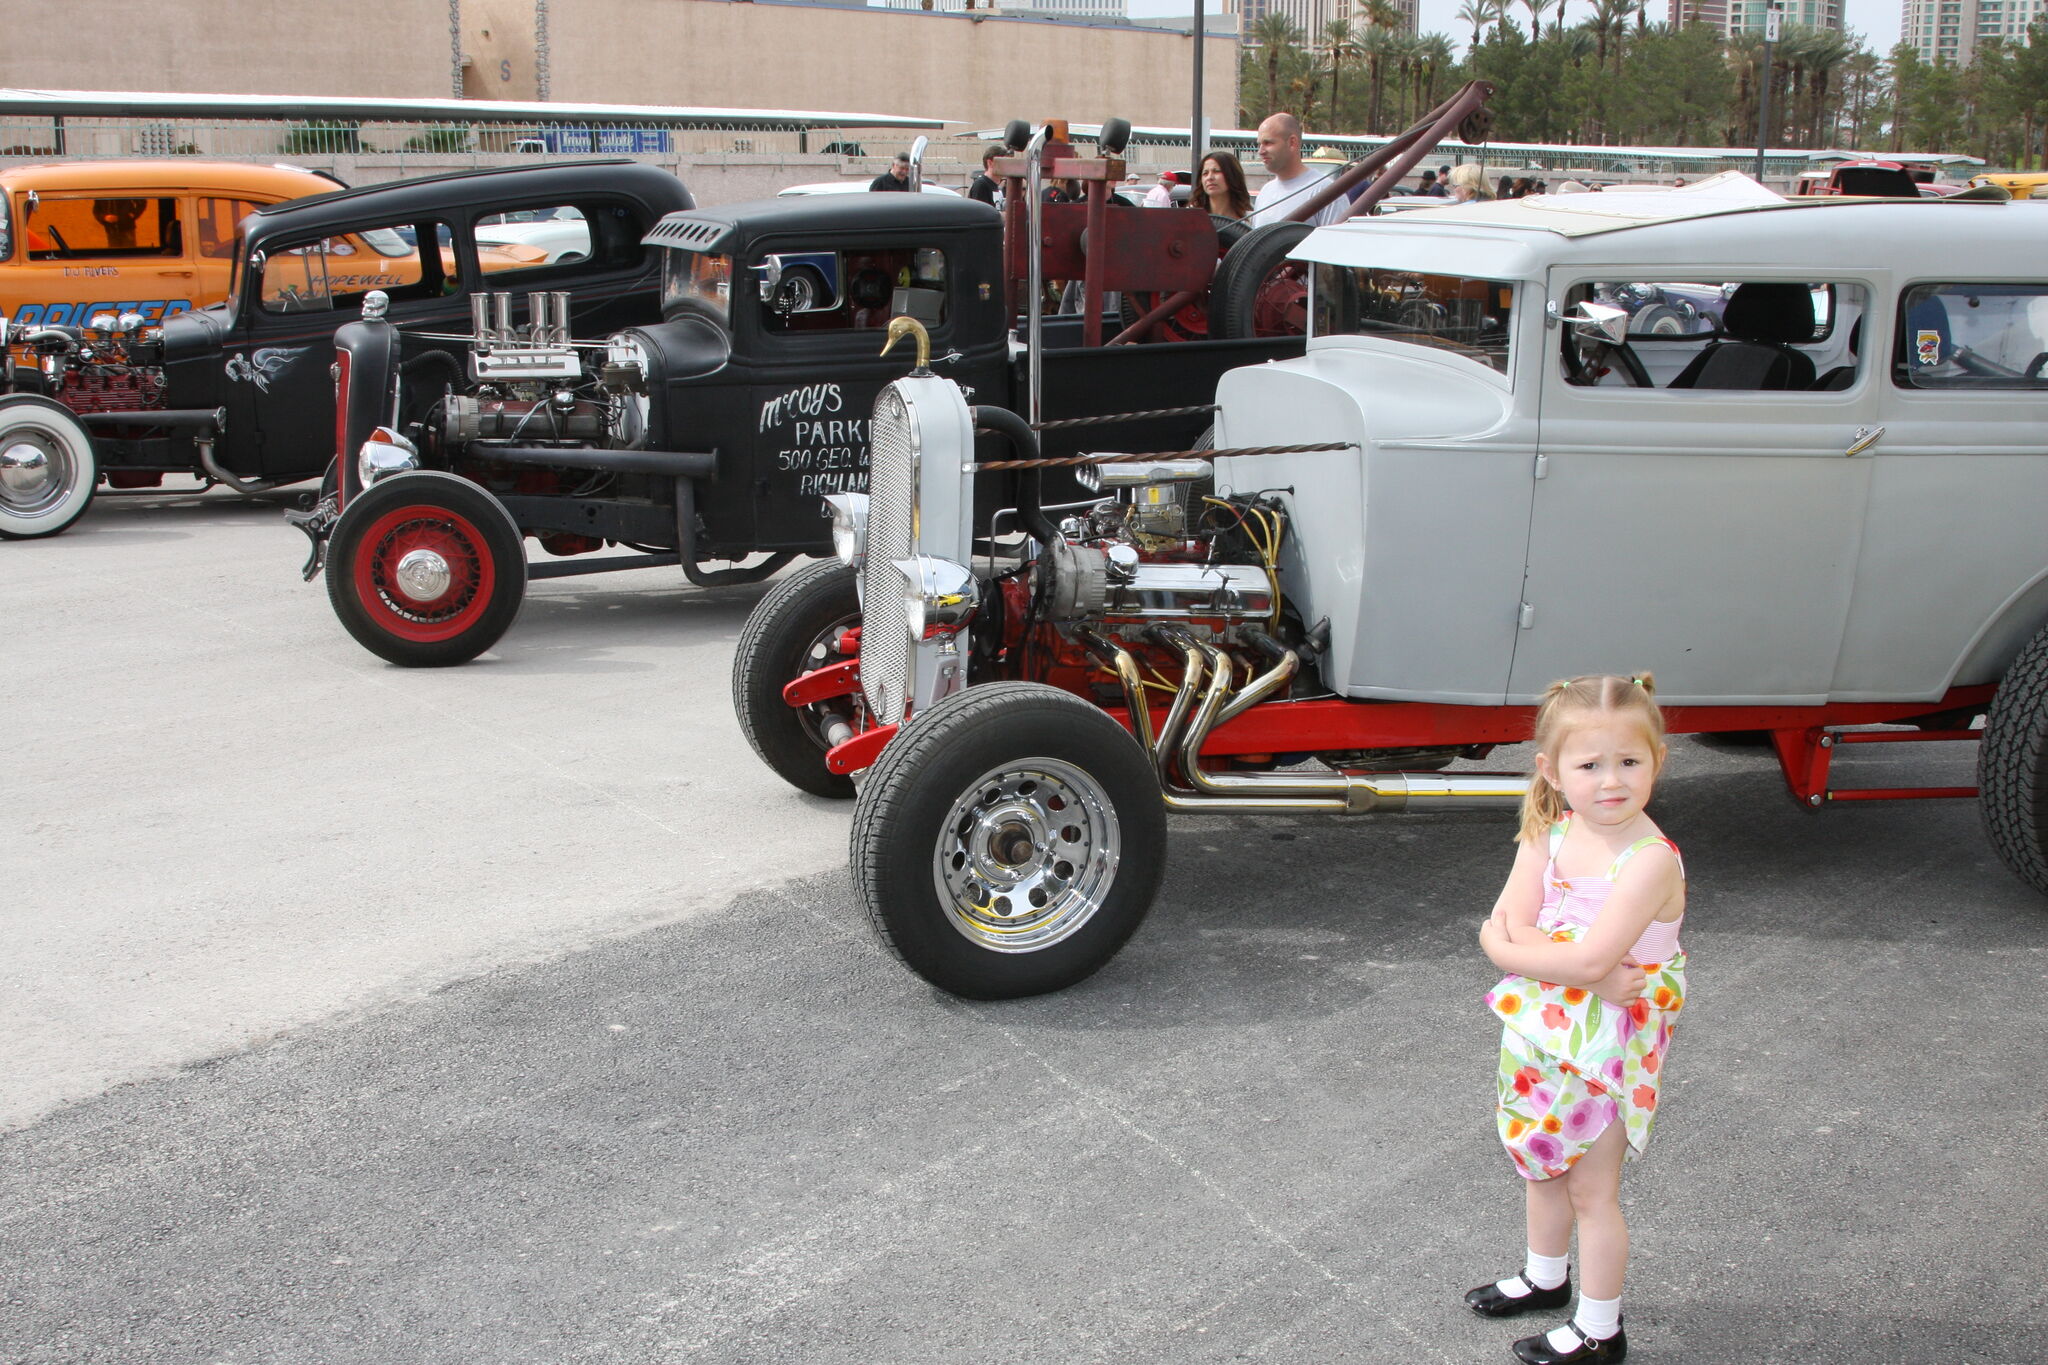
point(1645, 681)
point(1542, 807)
point(1543, 804)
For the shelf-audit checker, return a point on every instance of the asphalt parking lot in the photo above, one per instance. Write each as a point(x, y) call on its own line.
point(515, 1013)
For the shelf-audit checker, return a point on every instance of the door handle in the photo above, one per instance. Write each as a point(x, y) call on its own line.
point(1864, 439)
point(181, 274)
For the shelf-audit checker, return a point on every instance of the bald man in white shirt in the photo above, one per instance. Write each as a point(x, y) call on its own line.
point(1293, 182)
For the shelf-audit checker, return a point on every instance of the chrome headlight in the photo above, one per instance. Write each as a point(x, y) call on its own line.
point(384, 454)
point(849, 513)
point(938, 598)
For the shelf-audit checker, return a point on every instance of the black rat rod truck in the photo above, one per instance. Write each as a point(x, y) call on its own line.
point(714, 434)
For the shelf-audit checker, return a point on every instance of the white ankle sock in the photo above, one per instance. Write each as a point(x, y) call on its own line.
point(1545, 1272)
point(1538, 1272)
point(1597, 1318)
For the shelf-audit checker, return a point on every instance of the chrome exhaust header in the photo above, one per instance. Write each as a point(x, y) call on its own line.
point(1199, 792)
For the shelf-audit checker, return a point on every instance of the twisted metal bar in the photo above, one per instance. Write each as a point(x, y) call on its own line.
point(1112, 417)
point(1068, 461)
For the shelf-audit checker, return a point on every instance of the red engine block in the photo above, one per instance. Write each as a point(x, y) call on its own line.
point(123, 390)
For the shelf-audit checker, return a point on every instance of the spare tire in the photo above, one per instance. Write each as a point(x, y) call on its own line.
point(1257, 290)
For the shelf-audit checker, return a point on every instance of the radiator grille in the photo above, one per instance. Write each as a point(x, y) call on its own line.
point(892, 501)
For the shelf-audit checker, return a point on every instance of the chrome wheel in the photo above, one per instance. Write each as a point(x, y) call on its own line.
point(1027, 856)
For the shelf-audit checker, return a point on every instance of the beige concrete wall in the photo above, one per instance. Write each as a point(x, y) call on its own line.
point(377, 48)
point(983, 72)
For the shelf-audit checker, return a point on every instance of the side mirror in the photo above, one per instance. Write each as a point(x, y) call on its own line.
point(1600, 322)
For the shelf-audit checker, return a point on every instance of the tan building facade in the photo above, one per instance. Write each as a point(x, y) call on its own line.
point(980, 70)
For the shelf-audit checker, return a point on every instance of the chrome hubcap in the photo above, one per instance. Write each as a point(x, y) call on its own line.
point(1027, 855)
point(34, 473)
point(423, 575)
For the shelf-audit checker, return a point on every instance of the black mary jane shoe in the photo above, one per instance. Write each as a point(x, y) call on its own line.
point(1489, 1302)
point(1537, 1350)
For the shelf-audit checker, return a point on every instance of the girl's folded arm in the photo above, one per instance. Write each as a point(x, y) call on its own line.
point(1521, 899)
point(1646, 885)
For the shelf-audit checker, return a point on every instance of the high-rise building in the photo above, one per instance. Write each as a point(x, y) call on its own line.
point(1312, 17)
point(1748, 15)
point(1744, 16)
point(1951, 30)
point(1713, 13)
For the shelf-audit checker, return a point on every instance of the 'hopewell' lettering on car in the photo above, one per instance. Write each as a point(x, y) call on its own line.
point(824, 453)
point(262, 365)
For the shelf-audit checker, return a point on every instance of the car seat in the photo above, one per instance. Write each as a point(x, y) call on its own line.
point(1762, 322)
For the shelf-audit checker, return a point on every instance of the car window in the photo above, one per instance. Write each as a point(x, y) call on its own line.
point(215, 221)
point(1757, 335)
point(325, 273)
point(838, 291)
point(1468, 317)
point(532, 239)
point(696, 281)
point(1972, 336)
point(107, 226)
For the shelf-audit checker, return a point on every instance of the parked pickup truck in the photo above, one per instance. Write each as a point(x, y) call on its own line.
point(239, 392)
point(1820, 518)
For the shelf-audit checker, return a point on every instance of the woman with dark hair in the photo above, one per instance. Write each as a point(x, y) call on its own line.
point(1222, 189)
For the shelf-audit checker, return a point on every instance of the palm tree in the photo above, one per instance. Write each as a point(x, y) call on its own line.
point(1535, 8)
point(1478, 13)
point(1380, 19)
point(1338, 42)
point(1273, 34)
point(1826, 53)
point(1609, 24)
point(1435, 59)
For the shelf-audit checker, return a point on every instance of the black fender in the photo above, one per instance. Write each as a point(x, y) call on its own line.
point(365, 393)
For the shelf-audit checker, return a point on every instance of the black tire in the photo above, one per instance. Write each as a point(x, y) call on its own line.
point(790, 633)
point(1258, 256)
point(50, 472)
point(457, 523)
point(2012, 766)
point(985, 767)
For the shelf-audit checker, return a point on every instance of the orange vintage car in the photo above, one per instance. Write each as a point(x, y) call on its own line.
point(153, 237)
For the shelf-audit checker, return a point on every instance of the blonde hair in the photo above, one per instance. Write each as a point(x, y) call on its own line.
point(1572, 699)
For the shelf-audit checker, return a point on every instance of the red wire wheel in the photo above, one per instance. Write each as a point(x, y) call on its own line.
point(426, 570)
point(460, 565)
point(1258, 291)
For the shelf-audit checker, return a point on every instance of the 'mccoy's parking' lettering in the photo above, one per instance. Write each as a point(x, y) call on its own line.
point(81, 314)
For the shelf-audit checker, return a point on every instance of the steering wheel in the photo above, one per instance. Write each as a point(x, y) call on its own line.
point(1581, 370)
point(2033, 370)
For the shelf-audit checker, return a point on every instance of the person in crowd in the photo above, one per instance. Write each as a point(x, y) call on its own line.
point(1587, 931)
point(1442, 188)
point(1468, 182)
point(1428, 185)
point(1504, 188)
point(897, 177)
point(985, 187)
point(1293, 183)
point(1222, 190)
point(1160, 196)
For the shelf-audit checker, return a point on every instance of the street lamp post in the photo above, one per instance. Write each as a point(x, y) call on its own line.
point(1763, 103)
point(1195, 122)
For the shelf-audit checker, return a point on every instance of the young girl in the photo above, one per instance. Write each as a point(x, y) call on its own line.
point(1587, 928)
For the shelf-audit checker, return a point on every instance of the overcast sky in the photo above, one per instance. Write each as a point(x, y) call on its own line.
point(1876, 20)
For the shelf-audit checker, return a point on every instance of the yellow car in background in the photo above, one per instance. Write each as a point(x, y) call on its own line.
point(2019, 184)
point(153, 237)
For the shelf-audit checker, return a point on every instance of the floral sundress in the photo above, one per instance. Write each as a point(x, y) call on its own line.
point(1570, 1063)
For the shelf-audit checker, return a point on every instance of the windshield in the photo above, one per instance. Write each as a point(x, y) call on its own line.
point(697, 281)
point(1467, 317)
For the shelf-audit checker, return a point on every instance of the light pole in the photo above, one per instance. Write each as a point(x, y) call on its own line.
point(1195, 123)
point(1763, 103)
